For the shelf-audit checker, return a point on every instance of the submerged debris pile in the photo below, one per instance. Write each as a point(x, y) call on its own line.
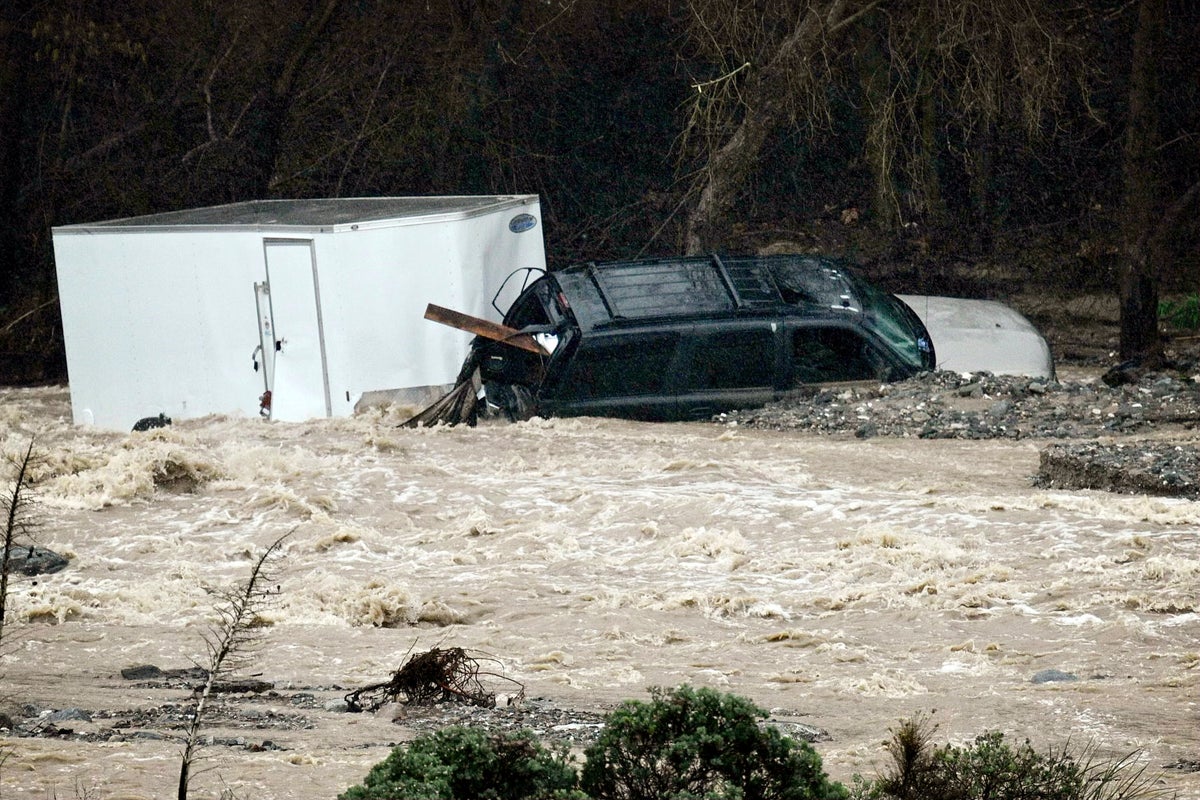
point(1162, 469)
point(548, 721)
point(950, 405)
point(551, 722)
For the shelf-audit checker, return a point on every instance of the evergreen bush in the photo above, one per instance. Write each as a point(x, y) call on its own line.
point(698, 743)
point(992, 769)
point(466, 764)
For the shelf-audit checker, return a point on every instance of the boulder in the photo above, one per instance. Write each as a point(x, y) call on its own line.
point(32, 560)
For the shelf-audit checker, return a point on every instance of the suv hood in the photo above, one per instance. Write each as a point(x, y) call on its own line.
point(982, 336)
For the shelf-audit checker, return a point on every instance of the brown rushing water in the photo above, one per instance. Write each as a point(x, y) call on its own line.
point(842, 583)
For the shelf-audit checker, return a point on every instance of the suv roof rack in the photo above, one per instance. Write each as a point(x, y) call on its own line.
point(605, 292)
point(688, 285)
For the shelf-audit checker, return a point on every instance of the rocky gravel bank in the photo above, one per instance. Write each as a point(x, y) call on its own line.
point(1138, 436)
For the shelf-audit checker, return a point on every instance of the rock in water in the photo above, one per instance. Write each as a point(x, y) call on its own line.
point(150, 423)
point(35, 561)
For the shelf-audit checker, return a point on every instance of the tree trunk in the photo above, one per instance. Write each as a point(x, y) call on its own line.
point(1142, 249)
point(880, 147)
point(731, 165)
point(484, 168)
point(266, 119)
point(926, 177)
point(16, 60)
point(982, 169)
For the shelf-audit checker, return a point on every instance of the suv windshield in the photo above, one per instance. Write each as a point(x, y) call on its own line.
point(897, 323)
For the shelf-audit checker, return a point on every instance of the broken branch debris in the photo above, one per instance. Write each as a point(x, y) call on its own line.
point(435, 676)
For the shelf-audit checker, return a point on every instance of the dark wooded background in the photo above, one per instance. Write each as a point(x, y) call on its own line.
point(956, 146)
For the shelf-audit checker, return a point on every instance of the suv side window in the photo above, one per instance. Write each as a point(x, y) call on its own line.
point(628, 367)
point(734, 359)
point(821, 354)
point(531, 308)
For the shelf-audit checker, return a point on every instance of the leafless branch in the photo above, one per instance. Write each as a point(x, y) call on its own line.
point(434, 676)
point(363, 129)
point(565, 9)
point(13, 323)
point(230, 643)
point(16, 503)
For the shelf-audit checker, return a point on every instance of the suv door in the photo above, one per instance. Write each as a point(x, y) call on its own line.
point(829, 352)
point(728, 365)
point(619, 374)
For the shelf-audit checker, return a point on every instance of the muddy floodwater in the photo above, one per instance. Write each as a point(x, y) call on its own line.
point(842, 583)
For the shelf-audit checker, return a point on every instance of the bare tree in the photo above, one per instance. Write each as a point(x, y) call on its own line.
point(230, 643)
point(764, 93)
point(16, 503)
point(1147, 219)
point(246, 113)
point(16, 58)
point(1139, 278)
point(922, 68)
point(966, 67)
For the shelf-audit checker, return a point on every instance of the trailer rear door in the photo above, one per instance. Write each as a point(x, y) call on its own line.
point(298, 375)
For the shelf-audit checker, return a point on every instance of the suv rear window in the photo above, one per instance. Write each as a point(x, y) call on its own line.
point(730, 360)
point(615, 368)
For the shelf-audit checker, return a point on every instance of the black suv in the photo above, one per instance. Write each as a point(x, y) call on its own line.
point(687, 338)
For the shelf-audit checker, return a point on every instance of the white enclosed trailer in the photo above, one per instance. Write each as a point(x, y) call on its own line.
point(292, 309)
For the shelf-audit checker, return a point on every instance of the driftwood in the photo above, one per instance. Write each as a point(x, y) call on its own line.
point(459, 406)
point(483, 327)
point(435, 676)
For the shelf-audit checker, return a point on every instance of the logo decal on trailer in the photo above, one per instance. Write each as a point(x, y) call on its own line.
point(522, 222)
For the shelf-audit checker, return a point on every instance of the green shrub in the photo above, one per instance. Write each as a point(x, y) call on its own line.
point(690, 743)
point(466, 764)
point(992, 769)
point(1182, 314)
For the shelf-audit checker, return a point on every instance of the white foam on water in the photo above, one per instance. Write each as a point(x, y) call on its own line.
point(857, 581)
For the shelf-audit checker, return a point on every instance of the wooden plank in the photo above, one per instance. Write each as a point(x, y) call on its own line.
point(483, 327)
